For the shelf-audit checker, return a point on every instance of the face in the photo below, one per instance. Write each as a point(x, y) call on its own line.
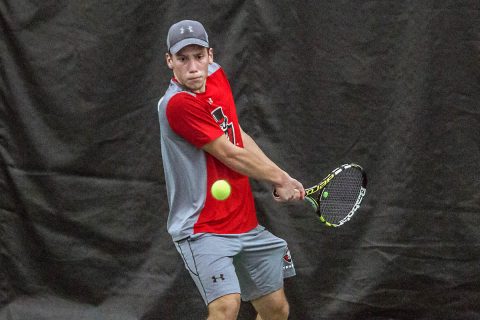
point(190, 66)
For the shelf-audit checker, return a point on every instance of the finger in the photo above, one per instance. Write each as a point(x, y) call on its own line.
point(297, 195)
point(302, 194)
point(276, 196)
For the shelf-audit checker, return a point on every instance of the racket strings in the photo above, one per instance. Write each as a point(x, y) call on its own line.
point(339, 197)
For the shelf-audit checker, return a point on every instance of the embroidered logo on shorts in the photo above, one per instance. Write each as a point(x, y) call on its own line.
point(221, 277)
point(287, 257)
point(287, 260)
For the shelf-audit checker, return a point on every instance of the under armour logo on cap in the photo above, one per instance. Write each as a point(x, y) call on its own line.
point(184, 33)
point(182, 30)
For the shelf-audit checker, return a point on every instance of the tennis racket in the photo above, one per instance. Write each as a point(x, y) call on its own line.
point(339, 195)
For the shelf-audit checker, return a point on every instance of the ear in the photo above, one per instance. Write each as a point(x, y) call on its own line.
point(210, 55)
point(168, 59)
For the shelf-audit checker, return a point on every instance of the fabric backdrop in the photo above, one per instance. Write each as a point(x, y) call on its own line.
point(391, 85)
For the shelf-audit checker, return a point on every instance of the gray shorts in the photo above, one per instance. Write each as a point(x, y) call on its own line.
point(253, 264)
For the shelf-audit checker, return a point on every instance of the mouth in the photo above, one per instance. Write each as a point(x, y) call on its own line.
point(194, 83)
point(195, 79)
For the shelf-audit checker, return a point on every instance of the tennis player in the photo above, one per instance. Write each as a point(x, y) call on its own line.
point(227, 253)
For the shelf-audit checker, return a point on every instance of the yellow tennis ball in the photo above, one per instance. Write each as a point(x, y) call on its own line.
point(221, 189)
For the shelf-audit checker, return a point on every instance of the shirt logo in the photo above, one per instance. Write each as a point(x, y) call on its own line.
point(222, 121)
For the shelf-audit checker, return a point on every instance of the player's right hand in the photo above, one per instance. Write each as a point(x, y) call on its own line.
point(290, 190)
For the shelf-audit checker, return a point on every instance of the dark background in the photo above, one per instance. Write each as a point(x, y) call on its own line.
point(391, 85)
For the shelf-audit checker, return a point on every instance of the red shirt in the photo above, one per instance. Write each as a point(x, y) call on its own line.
point(201, 118)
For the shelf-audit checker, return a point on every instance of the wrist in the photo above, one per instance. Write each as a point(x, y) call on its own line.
point(281, 179)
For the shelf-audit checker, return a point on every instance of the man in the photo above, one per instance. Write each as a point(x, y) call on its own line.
point(228, 254)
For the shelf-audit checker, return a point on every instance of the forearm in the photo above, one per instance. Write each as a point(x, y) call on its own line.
point(252, 146)
point(252, 162)
point(247, 161)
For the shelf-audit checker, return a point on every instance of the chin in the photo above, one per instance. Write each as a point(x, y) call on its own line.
point(194, 88)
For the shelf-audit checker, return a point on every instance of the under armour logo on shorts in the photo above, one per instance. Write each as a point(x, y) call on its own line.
point(218, 278)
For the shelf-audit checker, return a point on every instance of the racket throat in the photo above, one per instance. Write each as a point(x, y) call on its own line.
point(313, 203)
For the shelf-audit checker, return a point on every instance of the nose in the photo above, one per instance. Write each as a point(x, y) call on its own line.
point(192, 66)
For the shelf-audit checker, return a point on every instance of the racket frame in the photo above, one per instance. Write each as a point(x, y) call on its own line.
point(315, 201)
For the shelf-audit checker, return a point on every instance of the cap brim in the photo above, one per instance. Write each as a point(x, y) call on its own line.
point(186, 42)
